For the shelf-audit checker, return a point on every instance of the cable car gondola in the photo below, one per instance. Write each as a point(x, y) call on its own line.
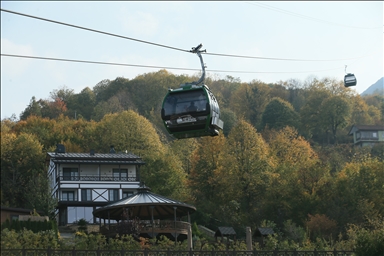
point(349, 79)
point(192, 110)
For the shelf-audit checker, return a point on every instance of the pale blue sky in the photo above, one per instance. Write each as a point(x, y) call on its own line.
point(347, 33)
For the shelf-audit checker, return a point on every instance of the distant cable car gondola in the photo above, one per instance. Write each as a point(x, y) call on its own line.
point(349, 79)
point(192, 110)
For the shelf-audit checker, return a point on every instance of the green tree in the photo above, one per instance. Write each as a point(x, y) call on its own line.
point(166, 169)
point(150, 89)
point(22, 161)
point(109, 107)
point(229, 118)
point(310, 115)
point(32, 109)
point(335, 114)
point(82, 104)
point(278, 114)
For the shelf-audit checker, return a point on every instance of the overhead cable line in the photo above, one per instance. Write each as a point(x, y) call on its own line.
point(174, 48)
point(263, 5)
point(282, 59)
point(91, 62)
point(94, 30)
point(149, 66)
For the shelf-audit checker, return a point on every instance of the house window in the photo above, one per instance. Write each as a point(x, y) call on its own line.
point(127, 193)
point(68, 196)
point(369, 135)
point(113, 194)
point(120, 174)
point(86, 195)
point(70, 174)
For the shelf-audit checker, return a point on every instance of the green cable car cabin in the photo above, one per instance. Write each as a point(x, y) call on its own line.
point(350, 80)
point(191, 110)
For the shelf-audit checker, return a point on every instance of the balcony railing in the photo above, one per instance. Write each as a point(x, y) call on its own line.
point(367, 139)
point(97, 178)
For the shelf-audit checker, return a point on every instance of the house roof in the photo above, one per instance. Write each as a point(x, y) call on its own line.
point(263, 231)
point(143, 204)
point(356, 128)
point(225, 231)
point(96, 158)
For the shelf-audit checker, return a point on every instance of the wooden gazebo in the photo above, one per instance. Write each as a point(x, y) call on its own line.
point(147, 214)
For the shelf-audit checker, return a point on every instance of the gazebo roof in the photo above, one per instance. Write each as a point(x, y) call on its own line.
point(143, 204)
point(263, 231)
point(225, 231)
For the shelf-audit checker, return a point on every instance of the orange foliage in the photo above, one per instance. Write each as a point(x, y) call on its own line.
point(320, 224)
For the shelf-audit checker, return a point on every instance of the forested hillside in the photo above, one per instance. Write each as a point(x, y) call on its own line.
point(284, 158)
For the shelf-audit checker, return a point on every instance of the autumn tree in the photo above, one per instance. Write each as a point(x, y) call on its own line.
point(183, 149)
point(203, 178)
point(356, 193)
point(41, 128)
point(244, 163)
point(54, 108)
point(131, 132)
point(321, 225)
point(64, 94)
point(297, 179)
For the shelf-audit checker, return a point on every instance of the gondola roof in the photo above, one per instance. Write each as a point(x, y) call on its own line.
point(142, 204)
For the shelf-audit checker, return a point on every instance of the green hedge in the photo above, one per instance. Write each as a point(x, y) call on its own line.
point(34, 226)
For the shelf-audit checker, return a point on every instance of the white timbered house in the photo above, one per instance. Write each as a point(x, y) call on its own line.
point(84, 182)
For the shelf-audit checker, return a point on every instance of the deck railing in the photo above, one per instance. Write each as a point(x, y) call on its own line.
point(157, 226)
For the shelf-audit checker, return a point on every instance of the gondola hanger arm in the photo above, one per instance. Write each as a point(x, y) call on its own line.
point(198, 52)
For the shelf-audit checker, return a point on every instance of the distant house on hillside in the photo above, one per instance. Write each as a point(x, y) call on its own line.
point(367, 135)
point(84, 182)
